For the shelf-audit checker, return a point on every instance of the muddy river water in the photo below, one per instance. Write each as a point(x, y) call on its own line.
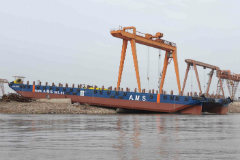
point(124, 136)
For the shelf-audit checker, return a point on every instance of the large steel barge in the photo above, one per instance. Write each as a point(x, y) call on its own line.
point(126, 99)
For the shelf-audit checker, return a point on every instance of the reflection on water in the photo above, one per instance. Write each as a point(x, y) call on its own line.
point(132, 136)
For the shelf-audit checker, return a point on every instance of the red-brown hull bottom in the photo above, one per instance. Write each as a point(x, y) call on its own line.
point(120, 103)
point(215, 108)
point(195, 109)
point(219, 110)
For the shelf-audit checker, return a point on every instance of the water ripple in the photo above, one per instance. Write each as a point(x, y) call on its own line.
point(131, 136)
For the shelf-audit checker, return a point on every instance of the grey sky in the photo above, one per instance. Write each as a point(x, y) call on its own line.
point(70, 41)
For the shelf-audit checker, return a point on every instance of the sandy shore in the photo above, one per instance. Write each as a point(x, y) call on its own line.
point(50, 108)
point(234, 107)
point(56, 108)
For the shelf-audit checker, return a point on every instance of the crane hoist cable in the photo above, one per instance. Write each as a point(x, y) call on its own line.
point(159, 69)
point(148, 63)
point(191, 78)
point(204, 79)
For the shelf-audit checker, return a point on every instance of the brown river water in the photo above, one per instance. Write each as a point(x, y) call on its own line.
point(124, 136)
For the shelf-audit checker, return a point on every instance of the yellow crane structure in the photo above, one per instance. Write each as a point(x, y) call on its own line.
point(155, 41)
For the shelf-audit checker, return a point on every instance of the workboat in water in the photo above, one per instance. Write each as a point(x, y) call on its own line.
point(157, 101)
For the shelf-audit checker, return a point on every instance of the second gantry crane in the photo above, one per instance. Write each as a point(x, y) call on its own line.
point(232, 80)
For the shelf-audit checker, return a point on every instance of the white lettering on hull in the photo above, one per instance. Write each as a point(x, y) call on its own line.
point(137, 98)
point(144, 98)
point(47, 91)
point(82, 93)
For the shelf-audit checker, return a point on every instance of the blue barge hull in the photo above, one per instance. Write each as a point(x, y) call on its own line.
point(129, 100)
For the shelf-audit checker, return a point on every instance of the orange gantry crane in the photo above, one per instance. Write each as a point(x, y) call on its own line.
point(194, 63)
point(155, 41)
point(232, 80)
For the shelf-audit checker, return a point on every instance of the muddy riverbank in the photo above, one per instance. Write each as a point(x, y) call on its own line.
point(234, 107)
point(58, 108)
point(50, 108)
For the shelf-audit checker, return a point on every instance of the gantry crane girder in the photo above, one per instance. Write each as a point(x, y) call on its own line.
point(226, 74)
point(4, 81)
point(151, 41)
point(190, 61)
point(158, 43)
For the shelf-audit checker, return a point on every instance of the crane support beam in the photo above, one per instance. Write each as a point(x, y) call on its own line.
point(174, 53)
point(123, 55)
point(159, 43)
point(134, 52)
point(165, 65)
point(2, 81)
point(220, 81)
point(226, 74)
point(185, 79)
point(209, 81)
point(196, 72)
point(200, 64)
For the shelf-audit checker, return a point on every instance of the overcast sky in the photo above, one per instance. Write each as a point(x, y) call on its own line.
point(70, 41)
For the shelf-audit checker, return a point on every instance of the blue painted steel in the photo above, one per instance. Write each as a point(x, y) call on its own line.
point(172, 99)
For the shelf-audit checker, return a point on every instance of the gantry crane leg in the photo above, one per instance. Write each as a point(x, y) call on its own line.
point(165, 65)
point(174, 53)
point(2, 88)
point(218, 71)
point(186, 75)
point(133, 44)
point(123, 54)
point(196, 72)
point(209, 82)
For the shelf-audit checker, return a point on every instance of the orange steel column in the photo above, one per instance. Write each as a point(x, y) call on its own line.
point(33, 88)
point(217, 69)
point(123, 54)
point(165, 64)
point(186, 75)
point(196, 72)
point(174, 53)
point(209, 82)
point(133, 44)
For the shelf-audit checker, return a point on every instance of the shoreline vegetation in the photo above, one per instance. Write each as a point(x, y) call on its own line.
point(63, 108)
